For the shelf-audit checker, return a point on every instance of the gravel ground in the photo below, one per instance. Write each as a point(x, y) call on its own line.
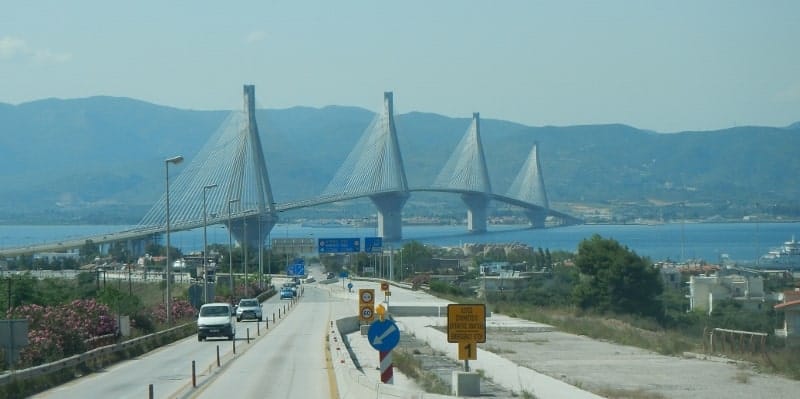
point(441, 365)
point(619, 371)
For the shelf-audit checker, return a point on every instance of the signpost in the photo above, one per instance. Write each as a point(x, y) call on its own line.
point(373, 244)
point(467, 351)
point(383, 335)
point(285, 246)
point(297, 269)
point(386, 292)
point(339, 245)
point(366, 304)
point(466, 326)
point(13, 337)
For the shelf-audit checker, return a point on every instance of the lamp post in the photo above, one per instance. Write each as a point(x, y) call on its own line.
point(205, 243)
point(260, 256)
point(174, 160)
point(230, 244)
point(269, 255)
point(244, 251)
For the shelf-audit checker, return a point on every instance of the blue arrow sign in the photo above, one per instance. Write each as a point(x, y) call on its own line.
point(373, 244)
point(383, 335)
point(297, 269)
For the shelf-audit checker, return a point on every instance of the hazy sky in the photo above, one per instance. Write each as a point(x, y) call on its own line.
point(660, 65)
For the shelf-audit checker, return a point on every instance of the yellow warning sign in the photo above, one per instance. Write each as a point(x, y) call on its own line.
point(466, 323)
point(467, 351)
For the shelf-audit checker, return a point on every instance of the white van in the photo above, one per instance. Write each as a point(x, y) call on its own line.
point(216, 320)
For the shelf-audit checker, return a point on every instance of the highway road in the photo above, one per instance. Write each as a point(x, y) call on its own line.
point(291, 363)
point(169, 369)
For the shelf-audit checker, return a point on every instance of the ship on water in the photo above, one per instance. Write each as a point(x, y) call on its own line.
point(787, 256)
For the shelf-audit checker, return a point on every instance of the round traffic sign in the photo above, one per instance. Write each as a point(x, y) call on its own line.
point(366, 312)
point(383, 335)
point(366, 297)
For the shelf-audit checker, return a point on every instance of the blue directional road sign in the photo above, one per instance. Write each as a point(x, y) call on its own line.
point(339, 245)
point(298, 268)
point(373, 244)
point(383, 335)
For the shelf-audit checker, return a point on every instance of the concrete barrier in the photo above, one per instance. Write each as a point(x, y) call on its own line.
point(417, 311)
point(350, 379)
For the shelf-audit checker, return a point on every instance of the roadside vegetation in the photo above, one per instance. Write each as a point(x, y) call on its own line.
point(68, 316)
point(606, 291)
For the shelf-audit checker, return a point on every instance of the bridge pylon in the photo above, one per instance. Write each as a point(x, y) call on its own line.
point(466, 170)
point(229, 172)
point(253, 229)
point(390, 204)
point(528, 186)
point(375, 169)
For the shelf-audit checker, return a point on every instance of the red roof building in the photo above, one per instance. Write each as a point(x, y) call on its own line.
point(791, 310)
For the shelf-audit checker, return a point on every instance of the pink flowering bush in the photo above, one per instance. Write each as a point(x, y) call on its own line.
point(181, 310)
point(58, 331)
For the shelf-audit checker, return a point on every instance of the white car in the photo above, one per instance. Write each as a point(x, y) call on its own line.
point(216, 320)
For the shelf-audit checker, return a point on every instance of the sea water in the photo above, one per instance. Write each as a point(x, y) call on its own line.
point(680, 241)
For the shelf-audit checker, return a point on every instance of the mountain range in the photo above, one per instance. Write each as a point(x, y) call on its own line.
point(100, 159)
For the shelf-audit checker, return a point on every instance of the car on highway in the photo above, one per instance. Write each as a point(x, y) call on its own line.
point(287, 293)
point(293, 286)
point(216, 320)
point(249, 308)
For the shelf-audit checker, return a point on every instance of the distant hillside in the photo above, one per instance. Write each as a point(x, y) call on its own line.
point(101, 158)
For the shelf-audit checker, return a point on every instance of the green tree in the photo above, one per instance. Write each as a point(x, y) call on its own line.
point(417, 254)
point(89, 251)
point(613, 278)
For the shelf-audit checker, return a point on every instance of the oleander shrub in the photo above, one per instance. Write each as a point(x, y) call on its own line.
point(58, 331)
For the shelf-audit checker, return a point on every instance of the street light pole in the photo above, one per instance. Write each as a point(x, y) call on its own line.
point(168, 272)
point(205, 243)
point(244, 250)
point(260, 256)
point(230, 245)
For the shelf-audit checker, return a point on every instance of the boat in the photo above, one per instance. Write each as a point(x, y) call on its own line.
point(786, 256)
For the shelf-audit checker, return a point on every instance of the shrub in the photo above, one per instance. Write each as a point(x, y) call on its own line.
point(58, 331)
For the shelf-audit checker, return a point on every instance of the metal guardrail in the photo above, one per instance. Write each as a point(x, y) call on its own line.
point(75, 360)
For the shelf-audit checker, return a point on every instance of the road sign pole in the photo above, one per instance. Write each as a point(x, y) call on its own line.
point(466, 365)
point(387, 372)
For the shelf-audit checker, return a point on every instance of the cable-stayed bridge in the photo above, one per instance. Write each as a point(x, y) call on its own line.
point(227, 183)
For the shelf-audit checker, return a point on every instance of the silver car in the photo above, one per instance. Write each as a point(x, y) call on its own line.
point(249, 309)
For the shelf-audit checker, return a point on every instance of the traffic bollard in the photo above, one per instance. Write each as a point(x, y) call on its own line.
point(248, 335)
point(150, 391)
point(218, 363)
point(194, 376)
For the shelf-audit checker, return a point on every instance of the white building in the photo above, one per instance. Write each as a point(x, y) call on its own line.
point(704, 291)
